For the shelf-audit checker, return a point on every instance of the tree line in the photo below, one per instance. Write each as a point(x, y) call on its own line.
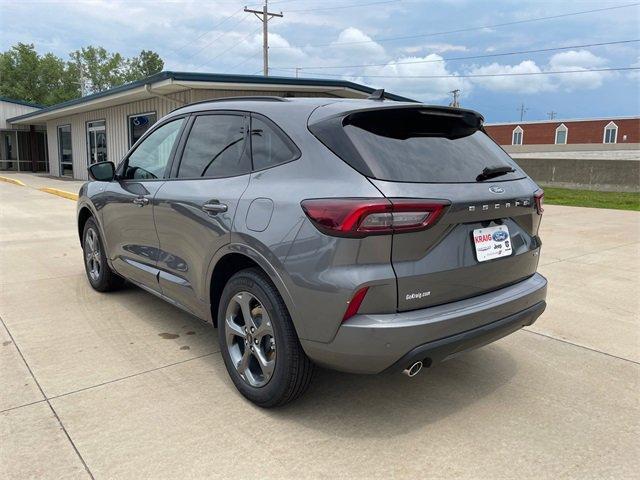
point(48, 79)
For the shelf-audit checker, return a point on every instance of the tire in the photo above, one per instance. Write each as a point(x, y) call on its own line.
point(102, 279)
point(291, 374)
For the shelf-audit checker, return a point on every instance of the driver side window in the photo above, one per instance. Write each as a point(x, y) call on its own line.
point(149, 160)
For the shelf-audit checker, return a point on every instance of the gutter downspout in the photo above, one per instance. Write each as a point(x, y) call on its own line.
point(179, 103)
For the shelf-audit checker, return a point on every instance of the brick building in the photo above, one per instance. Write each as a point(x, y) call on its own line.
point(568, 132)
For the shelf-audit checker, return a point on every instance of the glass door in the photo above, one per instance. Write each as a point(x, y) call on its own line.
point(65, 150)
point(97, 141)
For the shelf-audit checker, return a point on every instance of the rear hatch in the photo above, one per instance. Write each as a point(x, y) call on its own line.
point(486, 238)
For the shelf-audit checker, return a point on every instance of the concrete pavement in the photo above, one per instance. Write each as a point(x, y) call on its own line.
point(123, 385)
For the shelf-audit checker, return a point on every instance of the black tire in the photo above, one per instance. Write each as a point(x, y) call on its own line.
point(106, 280)
point(293, 370)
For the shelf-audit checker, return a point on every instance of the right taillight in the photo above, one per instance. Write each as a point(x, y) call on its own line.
point(360, 217)
point(539, 198)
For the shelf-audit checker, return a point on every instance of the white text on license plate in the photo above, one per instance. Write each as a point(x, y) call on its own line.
point(492, 242)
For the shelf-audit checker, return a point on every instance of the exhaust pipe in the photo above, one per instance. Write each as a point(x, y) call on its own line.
point(413, 370)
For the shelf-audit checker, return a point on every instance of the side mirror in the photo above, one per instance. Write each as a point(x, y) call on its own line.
point(102, 171)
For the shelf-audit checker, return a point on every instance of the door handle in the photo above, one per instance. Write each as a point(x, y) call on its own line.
point(141, 201)
point(213, 208)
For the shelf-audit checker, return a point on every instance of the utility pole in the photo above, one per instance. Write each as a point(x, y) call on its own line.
point(552, 114)
point(522, 110)
point(264, 16)
point(456, 95)
point(297, 71)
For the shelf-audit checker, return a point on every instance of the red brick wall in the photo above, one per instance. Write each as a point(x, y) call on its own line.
point(585, 131)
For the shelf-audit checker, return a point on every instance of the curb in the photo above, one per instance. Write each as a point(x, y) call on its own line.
point(12, 180)
point(60, 193)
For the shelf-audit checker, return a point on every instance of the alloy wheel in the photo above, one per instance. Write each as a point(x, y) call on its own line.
point(250, 339)
point(92, 254)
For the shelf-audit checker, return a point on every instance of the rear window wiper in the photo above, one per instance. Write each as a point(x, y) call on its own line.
point(494, 171)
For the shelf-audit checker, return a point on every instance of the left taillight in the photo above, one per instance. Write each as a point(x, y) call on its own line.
point(539, 198)
point(360, 217)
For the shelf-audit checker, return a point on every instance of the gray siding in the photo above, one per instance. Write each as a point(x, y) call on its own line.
point(117, 125)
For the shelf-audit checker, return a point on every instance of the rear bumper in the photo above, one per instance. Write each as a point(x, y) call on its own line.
point(390, 342)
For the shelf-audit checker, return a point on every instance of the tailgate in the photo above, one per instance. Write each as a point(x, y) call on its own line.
point(441, 264)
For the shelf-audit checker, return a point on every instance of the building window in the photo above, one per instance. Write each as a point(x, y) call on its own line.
point(97, 141)
point(610, 133)
point(139, 124)
point(561, 134)
point(516, 137)
point(65, 150)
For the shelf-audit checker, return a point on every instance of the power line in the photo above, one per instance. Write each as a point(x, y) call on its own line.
point(461, 30)
point(207, 32)
point(480, 75)
point(230, 48)
point(214, 40)
point(470, 57)
point(342, 7)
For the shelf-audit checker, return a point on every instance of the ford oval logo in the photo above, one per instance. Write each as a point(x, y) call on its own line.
point(500, 236)
point(497, 190)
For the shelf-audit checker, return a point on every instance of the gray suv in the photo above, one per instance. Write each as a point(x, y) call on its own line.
point(365, 236)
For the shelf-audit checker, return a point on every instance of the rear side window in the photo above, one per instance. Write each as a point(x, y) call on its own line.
point(269, 145)
point(215, 148)
point(416, 145)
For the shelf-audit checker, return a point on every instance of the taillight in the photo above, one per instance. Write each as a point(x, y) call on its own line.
point(539, 198)
point(359, 217)
point(355, 303)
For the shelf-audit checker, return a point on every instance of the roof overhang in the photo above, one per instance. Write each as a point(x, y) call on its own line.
point(166, 83)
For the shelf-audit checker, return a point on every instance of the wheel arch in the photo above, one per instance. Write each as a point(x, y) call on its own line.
point(233, 258)
point(84, 214)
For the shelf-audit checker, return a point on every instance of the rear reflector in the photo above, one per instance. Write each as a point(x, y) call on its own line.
point(539, 198)
point(354, 304)
point(359, 217)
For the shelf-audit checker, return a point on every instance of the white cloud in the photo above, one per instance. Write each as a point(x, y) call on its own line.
point(434, 48)
point(530, 84)
point(514, 83)
point(427, 89)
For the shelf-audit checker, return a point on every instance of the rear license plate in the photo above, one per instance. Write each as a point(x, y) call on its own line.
point(492, 242)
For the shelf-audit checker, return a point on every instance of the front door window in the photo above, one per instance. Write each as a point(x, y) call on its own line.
point(97, 141)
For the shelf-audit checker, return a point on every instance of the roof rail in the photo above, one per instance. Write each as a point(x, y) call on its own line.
point(247, 98)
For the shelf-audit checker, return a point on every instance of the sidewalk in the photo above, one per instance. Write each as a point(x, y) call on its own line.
point(63, 187)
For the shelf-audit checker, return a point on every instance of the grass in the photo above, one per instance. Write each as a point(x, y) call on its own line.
point(589, 198)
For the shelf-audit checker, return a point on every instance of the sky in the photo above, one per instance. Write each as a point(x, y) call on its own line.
point(383, 44)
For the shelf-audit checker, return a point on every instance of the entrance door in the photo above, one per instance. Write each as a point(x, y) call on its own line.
point(97, 141)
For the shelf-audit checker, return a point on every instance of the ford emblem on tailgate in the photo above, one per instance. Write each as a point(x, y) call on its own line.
point(500, 236)
point(496, 189)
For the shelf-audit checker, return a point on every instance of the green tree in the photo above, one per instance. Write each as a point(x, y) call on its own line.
point(48, 79)
point(144, 65)
point(25, 75)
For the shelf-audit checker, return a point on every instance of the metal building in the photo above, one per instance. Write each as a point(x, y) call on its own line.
point(104, 125)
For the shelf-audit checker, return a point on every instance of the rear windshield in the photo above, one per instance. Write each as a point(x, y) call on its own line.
point(417, 145)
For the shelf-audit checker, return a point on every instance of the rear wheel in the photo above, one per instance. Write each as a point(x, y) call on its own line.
point(259, 345)
point(99, 274)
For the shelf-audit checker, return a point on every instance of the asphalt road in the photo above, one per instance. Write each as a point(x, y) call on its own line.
point(124, 385)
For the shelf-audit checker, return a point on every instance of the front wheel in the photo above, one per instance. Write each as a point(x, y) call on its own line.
point(99, 274)
point(259, 345)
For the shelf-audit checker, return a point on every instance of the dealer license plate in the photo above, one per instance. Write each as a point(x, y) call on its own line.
point(492, 242)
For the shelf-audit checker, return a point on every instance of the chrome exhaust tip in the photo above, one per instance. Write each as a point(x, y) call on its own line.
point(413, 370)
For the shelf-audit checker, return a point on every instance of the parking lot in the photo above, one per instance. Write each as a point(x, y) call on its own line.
point(123, 385)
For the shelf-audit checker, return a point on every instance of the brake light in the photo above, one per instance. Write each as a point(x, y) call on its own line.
point(539, 198)
point(354, 304)
point(360, 217)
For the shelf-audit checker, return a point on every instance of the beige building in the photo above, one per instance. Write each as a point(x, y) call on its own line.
point(105, 125)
